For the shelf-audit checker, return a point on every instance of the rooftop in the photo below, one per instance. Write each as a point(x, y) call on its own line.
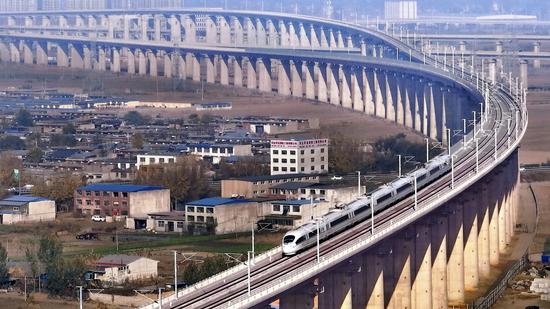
point(116, 260)
point(274, 177)
point(24, 199)
point(215, 201)
point(295, 202)
point(119, 188)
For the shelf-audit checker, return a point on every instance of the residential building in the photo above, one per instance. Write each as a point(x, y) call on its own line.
point(173, 221)
point(213, 106)
point(155, 158)
point(25, 208)
point(257, 186)
point(335, 194)
point(399, 9)
point(132, 201)
point(288, 214)
point(309, 156)
point(117, 269)
point(18, 5)
point(215, 152)
point(221, 215)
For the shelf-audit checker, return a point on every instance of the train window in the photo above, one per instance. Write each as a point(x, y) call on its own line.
point(301, 240)
point(288, 239)
point(403, 188)
point(383, 198)
point(362, 209)
point(339, 220)
point(420, 178)
point(312, 233)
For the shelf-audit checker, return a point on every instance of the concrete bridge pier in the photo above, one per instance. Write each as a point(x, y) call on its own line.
point(168, 65)
point(263, 69)
point(208, 64)
point(175, 29)
point(337, 289)
point(195, 67)
point(439, 261)
point(421, 289)
point(283, 78)
point(321, 73)
point(523, 73)
point(144, 27)
point(379, 90)
point(142, 62)
point(455, 263)
point(536, 50)
point(297, 300)
point(357, 101)
point(308, 70)
point(399, 100)
point(61, 56)
point(314, 40)
point(87, 58)
point(153, 63)
point(41, 55)
point(101, 60)
point(323, 38)
point(368, 94)
point(484, 266)
point(224, 31)
point(261, 35)
point(238, 32)
point(76, 58)
point(190, 29)
point(297, 87)
point(344, 85)
point(493, 71)
point(375, 278)
point(237, 72)
point(251, 76)
point(130, 61)
point(223, 71)
point(332, 84)
point(390, 87)
point(304, 40)
point(293, 39)
point(28, 56)
point(178, 63)
point(398, 272)
point(272, 36)
point(471, 237)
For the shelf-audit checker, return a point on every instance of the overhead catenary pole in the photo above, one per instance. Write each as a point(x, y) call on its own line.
point(176, 273)
point(318, 242)
point(81, 305)
point(427, 150)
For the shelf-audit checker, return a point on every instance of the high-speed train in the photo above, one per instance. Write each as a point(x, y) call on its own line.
point(337, 220)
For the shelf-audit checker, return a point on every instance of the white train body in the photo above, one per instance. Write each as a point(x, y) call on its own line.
point(359, 210)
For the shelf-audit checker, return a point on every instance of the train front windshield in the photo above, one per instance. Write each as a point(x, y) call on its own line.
point(288, 239)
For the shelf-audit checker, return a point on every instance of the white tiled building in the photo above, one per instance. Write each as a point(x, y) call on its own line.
point(152, 159)
point(308, 156)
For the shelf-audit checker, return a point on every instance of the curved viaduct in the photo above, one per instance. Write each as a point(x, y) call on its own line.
point(428, 250)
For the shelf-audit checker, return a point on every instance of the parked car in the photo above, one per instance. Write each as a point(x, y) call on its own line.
point(98, 218)
point(336, 177)
point(87, 236)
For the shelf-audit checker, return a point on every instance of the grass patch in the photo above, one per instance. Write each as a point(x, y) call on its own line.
point(210, 243)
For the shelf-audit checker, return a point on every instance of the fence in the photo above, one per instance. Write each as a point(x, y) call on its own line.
point(494, 294)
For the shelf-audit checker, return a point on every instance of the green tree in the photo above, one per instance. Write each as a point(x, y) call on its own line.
point(194, 118)
point(187, 179)
point(35, 155)
point(66, 140)
point(4, 274)
point(243, 168)
point(23, 118)
point(11, 143)
point(69, 129)
point(49, 250)
point(59, 188)
point(207, 118)
point(136, 118)
point(137, 140)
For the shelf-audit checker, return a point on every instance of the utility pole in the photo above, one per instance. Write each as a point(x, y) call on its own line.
point(81, 305)
point(176, 273)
